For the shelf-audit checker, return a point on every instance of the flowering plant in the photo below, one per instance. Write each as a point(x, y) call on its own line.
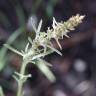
point(36, 49)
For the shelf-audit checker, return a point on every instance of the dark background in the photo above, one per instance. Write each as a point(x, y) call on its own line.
point(75, 70)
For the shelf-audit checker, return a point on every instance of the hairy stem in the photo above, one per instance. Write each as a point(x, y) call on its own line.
point(20, 81)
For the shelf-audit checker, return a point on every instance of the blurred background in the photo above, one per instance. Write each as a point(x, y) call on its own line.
point(75, 71)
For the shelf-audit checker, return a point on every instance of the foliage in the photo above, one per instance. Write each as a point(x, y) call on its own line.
point(36, 49)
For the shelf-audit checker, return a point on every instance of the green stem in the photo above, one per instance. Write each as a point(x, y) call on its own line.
point(1, 91)
point(21, 82)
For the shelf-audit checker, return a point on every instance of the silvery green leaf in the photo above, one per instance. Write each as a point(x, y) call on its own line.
point(12, 49)
point(38, 29)
point(54, 23)
point(45, 70)
point(38, 56)
point(15, 78)
point(26, 48)
point(45, 62)
point(49, 52)
point(58, 43)
point(43, 54)
point(33, 25)
point(31, 19)
point(30, 40)
point(65, 34)
point(22, 51)
point(17, 74)
point(39, 26)
point(54, 50)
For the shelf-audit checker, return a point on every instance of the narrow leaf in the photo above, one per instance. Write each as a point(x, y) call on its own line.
point(58, 44)
point(46, 71)
point(39, 26)
point(43, 54)
point(46, 63)
point(12, 49)
point(26, 48)
point(33, 25)
point(30, 40)
point(55, 50)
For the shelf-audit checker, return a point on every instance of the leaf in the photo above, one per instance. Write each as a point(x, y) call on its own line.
point(58, 43)
point(26, 48)
point(45, 70)
point(43, 54)
point(38, 29)
point(15, 78)
point(54, 23)
point(12, 49)
point(30, 40)
point(33, 25)
point(3, 50)
point(55, 50)
point(39, 26)
point(38, 56)
point(45, 62)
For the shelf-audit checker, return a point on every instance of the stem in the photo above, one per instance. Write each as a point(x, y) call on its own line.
point(20, 82)
point(1, 91)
